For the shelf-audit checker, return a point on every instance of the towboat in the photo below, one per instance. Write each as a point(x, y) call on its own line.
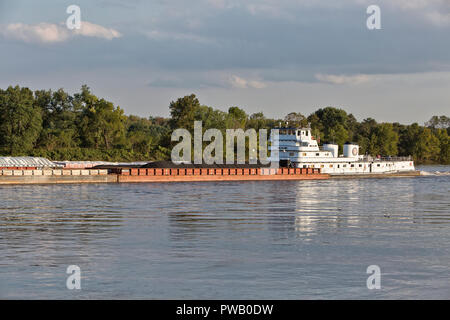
point(297, 148)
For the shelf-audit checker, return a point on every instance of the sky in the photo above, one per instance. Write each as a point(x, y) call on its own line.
point(274, 56)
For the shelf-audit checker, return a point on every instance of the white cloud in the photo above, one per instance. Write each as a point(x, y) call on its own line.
point(238, 82)
point(51, 33)
point(343, 79)
point(94, 30)
point(42, 32)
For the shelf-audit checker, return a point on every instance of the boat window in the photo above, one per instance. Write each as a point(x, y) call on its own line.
point(344, 166)
point(307, 133)
point(352, 165)
point(291, 154)
point(331, 166)
point(360, 165)
point(305, 166)
point(304, 154)
point(317, 154)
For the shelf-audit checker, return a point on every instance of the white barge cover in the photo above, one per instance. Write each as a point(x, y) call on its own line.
point(6, 162)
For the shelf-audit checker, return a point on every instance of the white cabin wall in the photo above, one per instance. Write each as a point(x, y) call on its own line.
point(359, 167)
point(404, 165)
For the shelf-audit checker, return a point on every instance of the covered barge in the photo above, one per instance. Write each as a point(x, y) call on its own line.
point(161, 171)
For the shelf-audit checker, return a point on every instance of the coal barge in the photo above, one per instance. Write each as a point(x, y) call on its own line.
point(29, 170)
point(166, 171)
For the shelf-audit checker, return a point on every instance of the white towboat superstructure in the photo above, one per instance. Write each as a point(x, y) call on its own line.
point(298, 148)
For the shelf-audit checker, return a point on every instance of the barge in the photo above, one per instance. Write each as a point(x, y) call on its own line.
point(300, 158)
point(45, 172)
point(216, 174)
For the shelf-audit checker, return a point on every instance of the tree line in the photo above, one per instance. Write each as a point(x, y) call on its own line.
point(82, 126)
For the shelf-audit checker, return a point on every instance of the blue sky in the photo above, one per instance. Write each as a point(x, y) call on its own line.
point(275, 56)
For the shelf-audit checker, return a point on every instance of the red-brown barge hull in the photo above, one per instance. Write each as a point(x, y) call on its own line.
point(217, 174)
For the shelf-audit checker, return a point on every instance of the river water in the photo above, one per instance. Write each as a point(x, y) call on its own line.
point(230, 240)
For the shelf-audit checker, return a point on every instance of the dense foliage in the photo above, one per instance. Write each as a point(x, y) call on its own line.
point(59, 126)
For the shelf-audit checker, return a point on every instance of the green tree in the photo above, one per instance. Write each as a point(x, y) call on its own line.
point(438, 122)
point(101, 124)
point(237, 118)
point(363, 134)
point(408, 138)
point(331, 123)
point(140, 137)
point(384, 140)
point(296, 119)
point(183, 112)
point(427, 146)
point(257, 121)
point(58, 120)
point(337, 134)
point(444, 146)
point(20, 121)
point(211, 118)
